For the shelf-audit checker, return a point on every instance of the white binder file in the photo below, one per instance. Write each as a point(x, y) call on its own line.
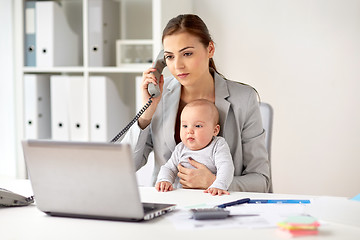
point(77, 103)
point(108, 113)
point(56, 42)
point(30, 34)
point(37, 106)
point(60, 128)
point(103, 32)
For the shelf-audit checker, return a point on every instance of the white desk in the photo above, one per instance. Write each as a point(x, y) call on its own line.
point(30, 223)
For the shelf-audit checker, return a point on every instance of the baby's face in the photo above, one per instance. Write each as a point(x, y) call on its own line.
point(197, 127)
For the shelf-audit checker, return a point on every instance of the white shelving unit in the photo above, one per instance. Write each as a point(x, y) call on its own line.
point(140, 22)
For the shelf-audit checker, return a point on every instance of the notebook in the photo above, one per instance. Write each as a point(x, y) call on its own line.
point(88, 180)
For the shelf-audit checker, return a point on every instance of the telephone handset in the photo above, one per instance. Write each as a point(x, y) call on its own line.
point(159, 64)
point(10, 199)
point(153, 90)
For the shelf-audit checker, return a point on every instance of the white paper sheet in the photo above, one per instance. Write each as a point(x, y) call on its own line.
point(243, 216)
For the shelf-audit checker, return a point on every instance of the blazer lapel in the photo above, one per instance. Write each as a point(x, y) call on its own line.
point(221, 93)
point(170, 104)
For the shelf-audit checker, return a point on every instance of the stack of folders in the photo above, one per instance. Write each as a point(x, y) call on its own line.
point(56, 108)
point(108, 114)
point(299, 226)
point(49, 37)
point(68, 108)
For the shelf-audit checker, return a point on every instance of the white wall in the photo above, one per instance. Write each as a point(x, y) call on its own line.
point(7, 98)
point(303, 56)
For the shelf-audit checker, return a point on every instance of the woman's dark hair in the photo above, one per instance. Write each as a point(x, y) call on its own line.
point(193, 25)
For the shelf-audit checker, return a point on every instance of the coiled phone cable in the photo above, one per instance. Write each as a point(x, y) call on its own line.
point(134, 120)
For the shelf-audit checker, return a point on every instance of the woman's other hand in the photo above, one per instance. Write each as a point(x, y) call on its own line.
point(200, 177)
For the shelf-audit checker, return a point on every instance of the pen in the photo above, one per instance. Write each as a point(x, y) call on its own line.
point(284, 201)
point(237, 202)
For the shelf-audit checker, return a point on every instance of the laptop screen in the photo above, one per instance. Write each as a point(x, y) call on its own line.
point(82, 178)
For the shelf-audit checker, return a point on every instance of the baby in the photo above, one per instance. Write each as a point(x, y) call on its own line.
point(199, 141)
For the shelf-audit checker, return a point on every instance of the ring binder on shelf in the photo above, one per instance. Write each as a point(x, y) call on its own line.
point(76, 107)
point(30, 34)
point(108, 113)
point(103, 31)
point(60, 129)
point(68, 104)
point(37, 106)
point(56, 43)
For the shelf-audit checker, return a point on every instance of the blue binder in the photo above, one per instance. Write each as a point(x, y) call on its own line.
point(30, 33)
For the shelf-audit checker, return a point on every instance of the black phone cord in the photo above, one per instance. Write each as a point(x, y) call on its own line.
point(134, 120)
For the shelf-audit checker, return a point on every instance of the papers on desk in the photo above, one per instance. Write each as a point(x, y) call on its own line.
point(243, 216)
point(182, 220)
point(326, 209)
point(279, 210)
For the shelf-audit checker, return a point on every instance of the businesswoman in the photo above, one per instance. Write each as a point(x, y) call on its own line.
point(188, 51)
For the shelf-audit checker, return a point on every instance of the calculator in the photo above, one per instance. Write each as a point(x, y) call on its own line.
point(209, 213)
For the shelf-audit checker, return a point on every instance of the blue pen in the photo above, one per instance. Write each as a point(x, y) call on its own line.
point(237, 202)
point(280, 201)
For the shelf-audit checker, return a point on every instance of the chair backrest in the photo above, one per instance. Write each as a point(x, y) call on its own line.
point(267, 114)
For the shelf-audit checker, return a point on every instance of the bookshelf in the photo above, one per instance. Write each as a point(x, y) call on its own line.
point(136, 23)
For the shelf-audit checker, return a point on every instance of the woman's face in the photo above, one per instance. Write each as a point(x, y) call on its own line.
point(187, 58)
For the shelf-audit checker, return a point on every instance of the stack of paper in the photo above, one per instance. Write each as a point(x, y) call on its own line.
point(300, 226)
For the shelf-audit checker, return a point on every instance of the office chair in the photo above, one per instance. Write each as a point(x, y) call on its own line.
point(267, 114)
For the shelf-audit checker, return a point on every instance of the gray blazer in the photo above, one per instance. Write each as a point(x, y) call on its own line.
point(240, 125)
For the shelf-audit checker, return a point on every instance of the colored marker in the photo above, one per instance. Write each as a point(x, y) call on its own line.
point(280, 201)
point(237, 202)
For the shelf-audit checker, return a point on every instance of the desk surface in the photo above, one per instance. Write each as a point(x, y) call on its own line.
point(30, 223)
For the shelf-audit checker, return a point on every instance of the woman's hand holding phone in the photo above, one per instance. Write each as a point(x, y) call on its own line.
point(149, 77)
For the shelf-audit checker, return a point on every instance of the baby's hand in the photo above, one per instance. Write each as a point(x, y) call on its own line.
point(163, 186)
point(216, 191)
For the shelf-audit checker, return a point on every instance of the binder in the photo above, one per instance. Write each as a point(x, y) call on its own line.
point(60, 128)
point(68, 105)
point(37, 106)
point(102, 32)
point(108, 113)
point(56, 42)
point(77, 105)
point(30, 34)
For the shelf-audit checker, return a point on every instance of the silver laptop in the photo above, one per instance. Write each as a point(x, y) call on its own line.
point(89, 180)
